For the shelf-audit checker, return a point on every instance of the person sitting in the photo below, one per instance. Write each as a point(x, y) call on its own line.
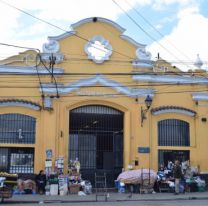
point(161, 168)
point(41, 182)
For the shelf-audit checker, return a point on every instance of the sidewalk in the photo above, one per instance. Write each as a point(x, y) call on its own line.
point(113, 197)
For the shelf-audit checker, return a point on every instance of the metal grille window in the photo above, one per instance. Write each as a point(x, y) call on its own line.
point(17, 128)
point(173, 132)
point(15, 160)
point(171, 155)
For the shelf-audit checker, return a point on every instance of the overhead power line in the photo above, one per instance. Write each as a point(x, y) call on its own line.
point(141, 28)
point(57, 27)
point(152, 26)
point(17, 46)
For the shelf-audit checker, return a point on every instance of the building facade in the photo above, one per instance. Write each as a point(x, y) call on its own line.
point(95, 94)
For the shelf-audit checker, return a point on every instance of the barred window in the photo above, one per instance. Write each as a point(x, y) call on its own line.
point(173, 132)
point(17, 128)
point(17, 160)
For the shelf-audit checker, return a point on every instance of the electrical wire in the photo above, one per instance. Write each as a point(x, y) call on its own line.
point(112, 94)
point(21, 47)
point(57, 27)
point(40, 83)
point(152, 26)
point(53, 76)
point(141, 28)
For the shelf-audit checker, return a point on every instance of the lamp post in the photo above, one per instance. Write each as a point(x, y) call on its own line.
point(148, 103)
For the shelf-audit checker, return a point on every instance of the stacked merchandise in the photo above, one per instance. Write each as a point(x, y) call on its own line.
point(53, 181)
point(74, 176)
point(7, 182)
point(63, 184)
point(10, 179)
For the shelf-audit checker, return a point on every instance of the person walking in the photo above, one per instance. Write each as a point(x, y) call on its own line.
point(177, 174)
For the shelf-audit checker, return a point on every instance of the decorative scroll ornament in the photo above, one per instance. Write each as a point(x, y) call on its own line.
point(98, 49)
point(143, 59)
point(51, 47)
point(142, 54)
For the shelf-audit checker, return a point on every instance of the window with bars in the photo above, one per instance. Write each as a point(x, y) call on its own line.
point(17, 160)
point(17, 128)
point(173, 132)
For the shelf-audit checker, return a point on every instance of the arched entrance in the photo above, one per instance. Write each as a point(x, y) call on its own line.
point(96, 138)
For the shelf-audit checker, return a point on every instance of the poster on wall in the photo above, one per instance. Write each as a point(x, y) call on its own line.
point(49, 153)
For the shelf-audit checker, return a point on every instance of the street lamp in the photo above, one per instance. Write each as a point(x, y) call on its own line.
point(148, 103)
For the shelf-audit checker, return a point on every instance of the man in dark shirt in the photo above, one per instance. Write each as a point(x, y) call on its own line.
point(41, 182)
point(177, 173)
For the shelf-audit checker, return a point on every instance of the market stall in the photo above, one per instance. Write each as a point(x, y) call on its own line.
point(145, 178)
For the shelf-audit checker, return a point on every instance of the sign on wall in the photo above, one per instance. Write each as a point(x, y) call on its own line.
point(143, 149)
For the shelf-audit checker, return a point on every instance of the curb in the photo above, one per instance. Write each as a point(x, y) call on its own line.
point(116, 200)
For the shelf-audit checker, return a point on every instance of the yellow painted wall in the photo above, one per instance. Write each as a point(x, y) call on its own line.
point(52, 130)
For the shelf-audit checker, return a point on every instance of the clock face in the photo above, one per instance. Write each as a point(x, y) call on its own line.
point(98, 49)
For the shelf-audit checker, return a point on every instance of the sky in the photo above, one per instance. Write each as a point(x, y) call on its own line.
point(176, 29)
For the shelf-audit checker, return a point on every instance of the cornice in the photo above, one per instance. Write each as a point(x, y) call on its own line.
point(27, 70)
point(132, 41)
point(170, 79)
point(99, 19)
point(98, 79)
point(200, 96)
point(62, 36)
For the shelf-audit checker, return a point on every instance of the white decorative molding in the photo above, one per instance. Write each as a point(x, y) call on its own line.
point(179, 111)
point(31, 59)
point(99, 19)
point(62, 36)
point(132, 41)
point(28, 70)
point(98, 49)
point(142, 54)
point(199, 96)
point(19, 103)
point(98, 79)
point(171, 79)
point(49, 48)
point(46, 57)
point(142, 64)
point(52, 46)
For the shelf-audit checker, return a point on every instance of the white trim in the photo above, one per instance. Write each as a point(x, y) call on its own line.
point(99, 19)
point(62, 36)
point(171, 79)
point(180, 111)
point(20, 104)
point(28, 70)
point(132, 41)
point(51, 89)
point(46, 57)
point(142, 64)
point(200, 96)
point(106, 48)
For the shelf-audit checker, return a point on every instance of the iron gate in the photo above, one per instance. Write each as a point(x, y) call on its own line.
point(96, 138)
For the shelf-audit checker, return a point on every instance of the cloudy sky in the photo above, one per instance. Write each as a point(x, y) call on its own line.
point(177, 29)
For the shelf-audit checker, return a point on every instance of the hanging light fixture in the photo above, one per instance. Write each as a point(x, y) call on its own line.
point(148, 103)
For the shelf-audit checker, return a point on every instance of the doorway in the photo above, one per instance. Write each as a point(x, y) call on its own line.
point(96, 139)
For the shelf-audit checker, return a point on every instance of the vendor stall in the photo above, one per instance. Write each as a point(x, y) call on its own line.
point(145, 178)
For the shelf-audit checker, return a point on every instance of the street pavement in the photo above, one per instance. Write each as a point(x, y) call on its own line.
point(162, 199)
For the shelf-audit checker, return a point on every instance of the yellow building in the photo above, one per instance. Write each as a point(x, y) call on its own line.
point(95, 94)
